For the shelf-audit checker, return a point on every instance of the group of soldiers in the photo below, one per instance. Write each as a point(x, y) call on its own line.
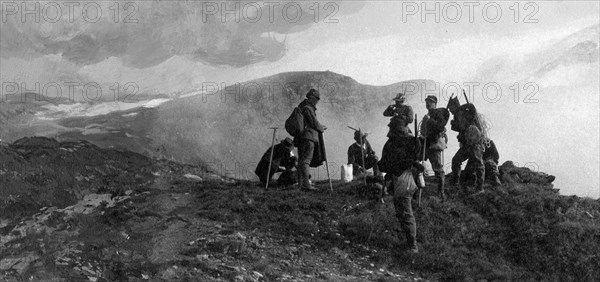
point(310, 150)
point(402, 154)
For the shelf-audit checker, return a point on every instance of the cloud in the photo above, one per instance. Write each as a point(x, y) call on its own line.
point(146, 33)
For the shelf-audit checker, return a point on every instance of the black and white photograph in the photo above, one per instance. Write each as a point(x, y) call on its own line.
point(307, 140)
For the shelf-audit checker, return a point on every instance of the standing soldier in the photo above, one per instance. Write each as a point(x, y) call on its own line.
point(402, 115)
point(490, 161)
point(433, 130)
point(308, 141)
point(471, 137)
point(404, 153)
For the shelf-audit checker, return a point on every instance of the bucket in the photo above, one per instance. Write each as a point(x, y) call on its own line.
point(346, 173)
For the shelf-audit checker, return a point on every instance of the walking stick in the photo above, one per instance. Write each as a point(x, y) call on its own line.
point(443, 164)
point(322, 138)
point(422, 162)
point(362, 155)
point(271, 158)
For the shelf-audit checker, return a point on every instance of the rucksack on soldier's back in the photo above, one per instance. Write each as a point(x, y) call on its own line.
point(294, 124)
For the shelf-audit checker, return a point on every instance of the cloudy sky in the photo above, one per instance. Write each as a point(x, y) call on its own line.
point(375, 42)
point(377, 46)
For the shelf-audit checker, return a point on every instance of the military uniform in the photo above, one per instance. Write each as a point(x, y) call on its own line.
point(402, 116)
point(471, 148)
point(308, 141)
point(287, 178)
point(490, 162)
point(282, 157)
point(405, 151)
point(355, 156)
point(433, 129)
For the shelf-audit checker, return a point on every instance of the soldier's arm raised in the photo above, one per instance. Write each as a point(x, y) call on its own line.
point(410, 114)
point(389, 111)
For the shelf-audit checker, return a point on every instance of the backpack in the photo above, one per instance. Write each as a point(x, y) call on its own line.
point(294, 124)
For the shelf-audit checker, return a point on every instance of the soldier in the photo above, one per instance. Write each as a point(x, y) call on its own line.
point(282, 157)
point(490, 162)
point(356, 153)
point(308, 141)
point(471, 137)
point(402, 115)
point(404, 152)
point(434, 132)
point(289, 176)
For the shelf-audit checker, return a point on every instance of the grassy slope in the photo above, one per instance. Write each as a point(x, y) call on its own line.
point(515, 232)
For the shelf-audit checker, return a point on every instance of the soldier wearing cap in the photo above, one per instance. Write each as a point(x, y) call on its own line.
point(357, 150)
point(308, 141)
point(402, 115)
point(283, 159)
point(433, 132)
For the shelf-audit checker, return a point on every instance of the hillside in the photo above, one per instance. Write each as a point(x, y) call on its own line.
point(198, 129)
point(201, 126)
point(72, 211)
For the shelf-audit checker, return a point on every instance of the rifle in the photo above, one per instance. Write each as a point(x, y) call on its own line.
point(421, 183)
point(271, 158)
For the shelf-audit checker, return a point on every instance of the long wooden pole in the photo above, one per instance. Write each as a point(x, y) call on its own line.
point(326, 162)
point(271, 158)
point(362, 155)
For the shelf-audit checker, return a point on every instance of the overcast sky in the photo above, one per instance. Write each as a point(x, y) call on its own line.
point(378, 46)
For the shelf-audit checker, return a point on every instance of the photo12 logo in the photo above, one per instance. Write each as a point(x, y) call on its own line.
point(267, 91)
point(455, 12)
point(253, 12)
point(70, 11)
point(72, 91)
point(490, 92)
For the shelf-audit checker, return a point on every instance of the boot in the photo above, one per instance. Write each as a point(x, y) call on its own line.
point(306, 184)
point(299, 177)
point(480, 174)
point(455, 180)
point(441, 179)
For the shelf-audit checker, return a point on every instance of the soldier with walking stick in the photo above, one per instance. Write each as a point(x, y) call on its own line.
point(278, 158)
point(310, 143)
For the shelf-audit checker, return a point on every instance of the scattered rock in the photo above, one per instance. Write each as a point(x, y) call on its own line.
point(19, 264)
point(192, 176)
